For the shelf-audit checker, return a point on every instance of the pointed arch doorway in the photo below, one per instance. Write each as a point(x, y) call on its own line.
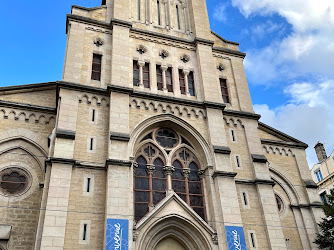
point(170, 244)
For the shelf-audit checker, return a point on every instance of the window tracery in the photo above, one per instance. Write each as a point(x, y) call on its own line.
point(154, 167)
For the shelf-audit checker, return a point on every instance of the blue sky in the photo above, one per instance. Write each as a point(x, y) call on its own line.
point(289, 63)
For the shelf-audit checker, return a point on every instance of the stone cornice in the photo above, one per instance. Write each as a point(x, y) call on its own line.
point(284, 143)
point(60, 160)
point(229, 52)
point(157, 97)
point(88, 9)
point(121, 163)
point(199, 40)
point(119, 22)
point(119, 136)
point(82, 88)
point(223, 39)
point(223, 174)
point(87, 20)
point(30, 107)
point(315, 205)
point(310, 184)
point(34, 86)
point(222, 150)
point(254, 182)
point(259, 158)
point(65, 134)
point(242, 114)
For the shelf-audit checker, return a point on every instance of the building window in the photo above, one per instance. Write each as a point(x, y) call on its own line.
point(318, 174)
point(186, 182)
point(146, 75)
point(280, 204)
point(96, 67)
point(150, 181)
point(244, 196)
point(169, 80)
point(191, 84)
point(88, 185)
point(182, 82)
point(84, 232)
point(158, 9)
point(238, 161)
point(138, 9)
point(224, 90)
point(323, 197)
point(159, 78)
point(13, 181)
point(233, 135)
point(252, 239)
point(178, 17)
point(136, 73)
point(93, 115)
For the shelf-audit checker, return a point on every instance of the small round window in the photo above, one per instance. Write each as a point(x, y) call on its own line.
point(167, 138)
point(13, 181)
point(280, 204)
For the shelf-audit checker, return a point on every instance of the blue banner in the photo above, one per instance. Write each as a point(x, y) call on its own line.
point(235, 238)
point(117, 234)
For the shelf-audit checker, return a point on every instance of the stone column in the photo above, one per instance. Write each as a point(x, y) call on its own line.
point(168, 171)
point(301, 228)
point(186, 73)
point(141, 65)
point(164, 81)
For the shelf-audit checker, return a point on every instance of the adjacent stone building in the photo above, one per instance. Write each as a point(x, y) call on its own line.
point(149, 141)
point(323, 172)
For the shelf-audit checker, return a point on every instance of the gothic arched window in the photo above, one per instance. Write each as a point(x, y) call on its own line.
point(158, 148)
point(150, 181)
point(186, 180)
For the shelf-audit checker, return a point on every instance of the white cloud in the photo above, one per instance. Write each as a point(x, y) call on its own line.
point(308, 117)
point(220, 13)
point(309, 49)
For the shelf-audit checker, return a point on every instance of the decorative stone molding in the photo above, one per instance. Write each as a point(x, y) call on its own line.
point(167, 108)
point(185, 58)
point(141, 49)
point(19, 115)
point(90, 98)
point(221, 67)
point(215, 239)
point(168, 170)
point(310, 184)
point(99, 30)
point(186, 172)
point(163, 54)
point(150, 169)
point(268, 149)
point(134, 166)
point(98, 42)
point(201, 173)
point(121, 163)
point(284, 143)
point(231, 121)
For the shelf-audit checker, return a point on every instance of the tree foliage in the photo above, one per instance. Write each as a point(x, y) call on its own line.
point(325, 238)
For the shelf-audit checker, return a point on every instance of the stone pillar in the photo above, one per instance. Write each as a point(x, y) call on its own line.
point(186, 73)
point(168, 171)
point(164, 83)
point(141, 65)
point(53, 236)
point(301, 228)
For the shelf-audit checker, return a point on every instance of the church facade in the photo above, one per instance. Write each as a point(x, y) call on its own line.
point(149, 141)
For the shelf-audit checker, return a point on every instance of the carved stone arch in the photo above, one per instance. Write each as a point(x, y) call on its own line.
point(51, 119)
point(141, 144)
point(42, 119)
point(226, 121)
point(2, 113)
point(168, 120)
point(284, 182)
point(12, 115)
point(284, 151)
point(174, 225)
point(104, 102)
point(30, 153)
point(151, 106)
point(161, 108)
point(169, 109)
point(240, 123)
point(85, 97)
point(265, 149)
point(22, 116)
point(172, 153)
point(94, 98)
point(202, 113)
point(26, 135)
point(143, 105)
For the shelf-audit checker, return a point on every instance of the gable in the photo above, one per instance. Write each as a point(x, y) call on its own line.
point(271, 135)
point(34, 94)
point(221, 42)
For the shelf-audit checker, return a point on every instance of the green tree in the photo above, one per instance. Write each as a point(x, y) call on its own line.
point(325, 239)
